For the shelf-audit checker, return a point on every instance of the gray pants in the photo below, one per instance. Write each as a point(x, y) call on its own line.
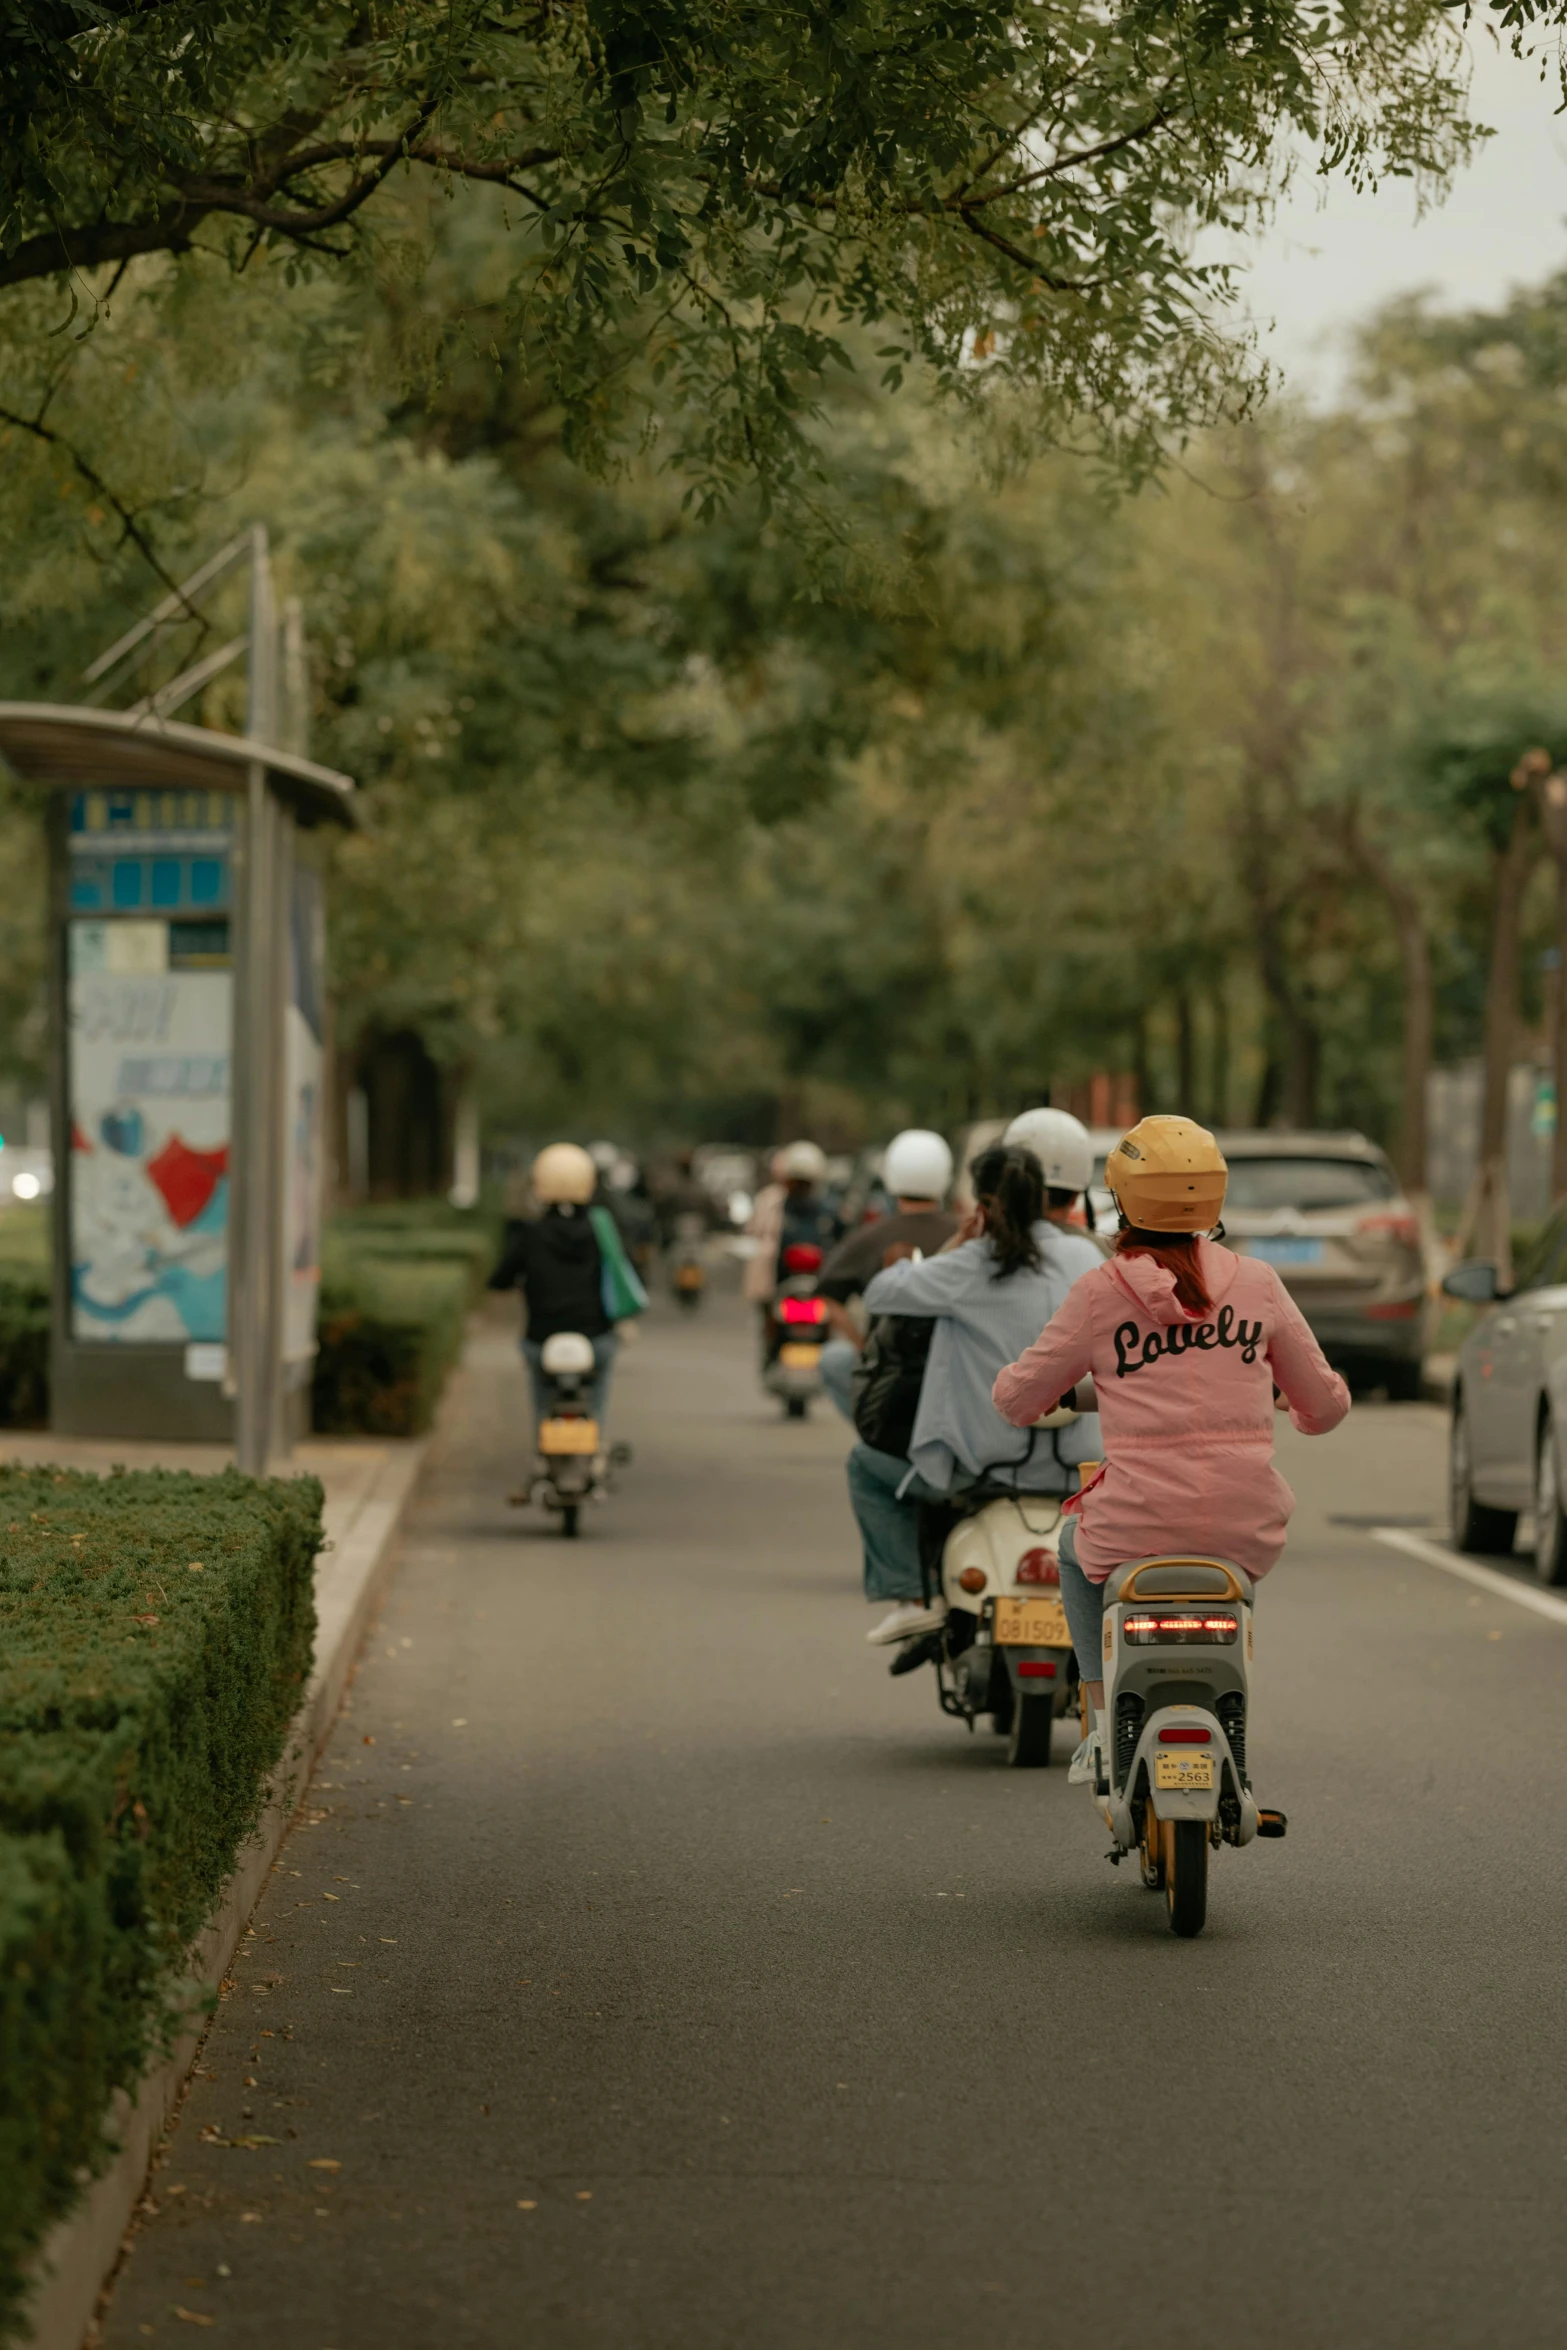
point(605, 1350)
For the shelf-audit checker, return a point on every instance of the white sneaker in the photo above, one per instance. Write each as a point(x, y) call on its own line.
point(1083, 1769)
point(907, 1620)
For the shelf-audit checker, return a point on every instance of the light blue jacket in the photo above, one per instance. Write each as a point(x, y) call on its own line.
point(982, 1324)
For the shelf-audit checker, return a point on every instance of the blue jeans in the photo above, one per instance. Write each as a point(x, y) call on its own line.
point(605, 1350)
point(1085, 1606)
point(838, 1359)
point(888, 1522)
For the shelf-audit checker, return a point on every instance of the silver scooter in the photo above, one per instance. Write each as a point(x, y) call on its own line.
point(1178, 1635)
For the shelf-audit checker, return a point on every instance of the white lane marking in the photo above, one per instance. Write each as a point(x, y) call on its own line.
point(1544, 1603)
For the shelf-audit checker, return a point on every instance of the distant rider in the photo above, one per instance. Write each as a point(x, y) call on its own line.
point(917, 1173)
point(790, 1212)
point(554, 1260)
point(1185, 1343)
point(1009, 1266)
point(1065, 1153)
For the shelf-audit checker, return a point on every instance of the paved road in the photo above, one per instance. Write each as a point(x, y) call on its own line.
point(657, 1974)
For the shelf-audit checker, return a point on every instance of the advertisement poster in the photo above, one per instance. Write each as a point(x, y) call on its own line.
point(149, 1089)
point(304, 1061)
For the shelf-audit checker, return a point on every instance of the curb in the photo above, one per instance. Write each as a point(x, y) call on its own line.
point(79, 2255)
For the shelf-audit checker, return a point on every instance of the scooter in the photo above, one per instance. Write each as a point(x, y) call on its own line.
point(797, 1331)
point(1177, 1650)
point(570, 1465)
point(1004, 1649)
point(687, 1267)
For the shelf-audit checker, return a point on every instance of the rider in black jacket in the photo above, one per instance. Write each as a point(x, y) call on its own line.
point(554, 1259)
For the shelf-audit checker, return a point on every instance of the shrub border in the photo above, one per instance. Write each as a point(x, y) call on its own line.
point(82, 2252)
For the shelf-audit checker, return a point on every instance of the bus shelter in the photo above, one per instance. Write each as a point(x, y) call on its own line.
point(187, 1073)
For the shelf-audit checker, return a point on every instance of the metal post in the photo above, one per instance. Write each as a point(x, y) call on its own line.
point(254, 1259)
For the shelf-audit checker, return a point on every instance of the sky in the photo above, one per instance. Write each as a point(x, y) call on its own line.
point(1330, 260)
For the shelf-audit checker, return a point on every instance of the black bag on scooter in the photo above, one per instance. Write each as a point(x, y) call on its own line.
point(887, 1380)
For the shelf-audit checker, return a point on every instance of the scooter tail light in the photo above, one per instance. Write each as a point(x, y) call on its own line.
point(1186, 1734)
point(1039, 1566)
point(802, 1309)
point(1190, 1627)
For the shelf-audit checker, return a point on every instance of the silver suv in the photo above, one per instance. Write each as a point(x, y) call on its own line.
point(1328, 1211)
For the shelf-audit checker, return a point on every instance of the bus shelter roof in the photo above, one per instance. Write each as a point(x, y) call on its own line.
point(75, 747)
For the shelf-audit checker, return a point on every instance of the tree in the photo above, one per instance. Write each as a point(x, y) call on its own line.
point(703, 197)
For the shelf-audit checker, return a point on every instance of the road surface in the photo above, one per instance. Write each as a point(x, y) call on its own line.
point(655, 1973)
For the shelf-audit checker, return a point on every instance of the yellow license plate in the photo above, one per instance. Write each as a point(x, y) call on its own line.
point(568, 1436)
point(1031, 1623)
point(1191, 1771)
point(689, 1277)
point(799, 1358)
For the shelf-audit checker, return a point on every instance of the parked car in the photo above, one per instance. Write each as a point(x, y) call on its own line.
point(1328, 1211)
point(1510, 1405)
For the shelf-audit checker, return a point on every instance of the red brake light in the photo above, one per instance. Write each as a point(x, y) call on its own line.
point(1185, 1734)
point(802, 1309)
point(802, 1256)
point(1038, 1566)
point(1192, 1627)
point(1402, 1227)
point(1036, 1669)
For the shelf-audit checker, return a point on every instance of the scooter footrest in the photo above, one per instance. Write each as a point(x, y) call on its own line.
point(1271, 1823)
point(915, 1653)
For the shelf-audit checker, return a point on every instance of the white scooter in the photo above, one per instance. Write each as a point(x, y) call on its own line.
point(571, 1464)
point(1005, 1649)
point(1177, 1647)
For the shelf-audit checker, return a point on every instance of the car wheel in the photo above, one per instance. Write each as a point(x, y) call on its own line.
point(1475, 1525)
point(1550, 1528)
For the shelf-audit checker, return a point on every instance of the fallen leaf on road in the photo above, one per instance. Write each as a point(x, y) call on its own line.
point(527, 2207)
point(323, 2162)
point(584, 2194)
point(343, 1990)
point(331, 1897)
point(367, 1742)
point(193, 2317)
point(250, 2219)
point(253, 2143)
point(461, 1722)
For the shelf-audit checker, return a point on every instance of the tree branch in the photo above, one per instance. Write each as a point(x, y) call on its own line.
point(130, 527)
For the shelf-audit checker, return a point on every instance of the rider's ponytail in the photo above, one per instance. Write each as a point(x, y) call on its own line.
point(1010, 1186)
point(1177, 1252)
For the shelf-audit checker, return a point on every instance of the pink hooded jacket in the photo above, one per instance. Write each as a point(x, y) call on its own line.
point(1185, 1403)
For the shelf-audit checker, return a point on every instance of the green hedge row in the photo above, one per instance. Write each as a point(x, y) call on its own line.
point(388, 1334)
point(155, 1640)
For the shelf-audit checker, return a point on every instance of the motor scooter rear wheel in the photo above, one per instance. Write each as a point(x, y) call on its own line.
point(568, 1521)
point(1029, 1732)
point(1186, 1874)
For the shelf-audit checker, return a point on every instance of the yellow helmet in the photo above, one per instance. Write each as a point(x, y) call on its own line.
point(1168, 1175)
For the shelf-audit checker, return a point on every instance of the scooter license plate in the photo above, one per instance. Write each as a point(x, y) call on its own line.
point(798, 1358)
point(689, 1277)
point(1031, 1623)
point(568, 1436)
point(1190, 1771)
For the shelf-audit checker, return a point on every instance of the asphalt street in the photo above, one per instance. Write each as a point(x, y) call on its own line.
point(652, 1971)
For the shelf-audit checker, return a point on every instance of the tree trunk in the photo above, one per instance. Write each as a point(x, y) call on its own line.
point(1219, 1073)
point(1185, 1053)
point(1486, 1229)
point(1415, 954)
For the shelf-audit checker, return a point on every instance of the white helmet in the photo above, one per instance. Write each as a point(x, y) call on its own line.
point(802, 1162)
point(918, 1165)
point(1060, 1143)
point(563, 1172)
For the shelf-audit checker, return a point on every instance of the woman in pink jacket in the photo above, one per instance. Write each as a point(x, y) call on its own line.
point(1186, 1344)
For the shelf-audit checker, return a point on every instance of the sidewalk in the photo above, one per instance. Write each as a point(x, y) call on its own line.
point(367, 1483)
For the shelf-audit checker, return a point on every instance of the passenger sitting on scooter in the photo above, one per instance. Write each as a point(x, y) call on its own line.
point(917, 1171)
point(1185, 1343)
point(1006, 1265)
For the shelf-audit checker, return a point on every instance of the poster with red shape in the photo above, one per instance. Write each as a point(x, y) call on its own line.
point(187, 1179)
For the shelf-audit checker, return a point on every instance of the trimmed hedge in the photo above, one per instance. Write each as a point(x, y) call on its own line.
point(155, 1640)
point(388, 1333)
